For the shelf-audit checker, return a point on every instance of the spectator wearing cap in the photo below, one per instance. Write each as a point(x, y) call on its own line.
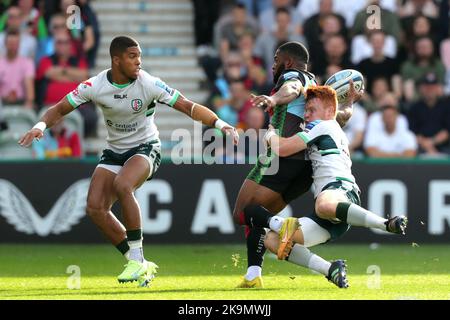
point(391, 141)
point(429, 118)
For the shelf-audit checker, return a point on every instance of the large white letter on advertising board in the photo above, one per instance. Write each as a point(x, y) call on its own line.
point(163, 218)
point(439, 210)
point(213, 210)
point(396, 190)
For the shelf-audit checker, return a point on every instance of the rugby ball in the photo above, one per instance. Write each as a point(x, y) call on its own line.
point(340, 81)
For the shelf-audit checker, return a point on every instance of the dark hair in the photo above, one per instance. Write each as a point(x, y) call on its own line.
point(120, 44)
point(374, 32)
point(240, 5)
point(11, 33)
point(433, 59)
point(296, 50)
point(388, 107)
point(283, 10)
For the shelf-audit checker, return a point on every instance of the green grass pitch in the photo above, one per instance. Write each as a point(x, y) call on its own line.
point(212, 272)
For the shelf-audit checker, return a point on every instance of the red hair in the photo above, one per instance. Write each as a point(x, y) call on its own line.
point(326, 94)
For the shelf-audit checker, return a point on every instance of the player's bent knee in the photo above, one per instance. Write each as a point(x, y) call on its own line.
point(94, 211)
point(325, 209)
point(122, 188)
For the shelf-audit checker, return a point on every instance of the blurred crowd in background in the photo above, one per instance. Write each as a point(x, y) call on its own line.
point(41, 60)
point(402, 47)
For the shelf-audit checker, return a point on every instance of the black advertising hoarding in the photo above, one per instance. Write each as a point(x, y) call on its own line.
point(44, 202)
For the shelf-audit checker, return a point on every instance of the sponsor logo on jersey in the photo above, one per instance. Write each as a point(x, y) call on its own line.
point(312, 124)
point(163, 86)
point(86, 84)
point(120, 96)
point(136, 105)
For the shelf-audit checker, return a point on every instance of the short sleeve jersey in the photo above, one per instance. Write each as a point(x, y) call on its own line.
point(128, 109)
point(328, 152)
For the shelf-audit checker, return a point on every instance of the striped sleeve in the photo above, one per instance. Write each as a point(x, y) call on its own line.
point(80, 95)
point(159, 90)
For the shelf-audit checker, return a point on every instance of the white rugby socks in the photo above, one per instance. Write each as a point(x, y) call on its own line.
point(302, 256)
point(253, 272)
point(275, 223)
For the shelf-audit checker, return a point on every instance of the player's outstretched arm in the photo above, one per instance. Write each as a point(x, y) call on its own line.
point(283, 147)
point(288, 92)
point(345, 109)
point(52, 116)
point(201, 113)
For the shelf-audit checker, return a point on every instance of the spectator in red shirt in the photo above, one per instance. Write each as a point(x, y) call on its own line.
point(61, 72)
point(59, 143)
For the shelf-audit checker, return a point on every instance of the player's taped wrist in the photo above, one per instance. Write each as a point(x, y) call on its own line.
point(220, 124)
point(41, 125)
point(268, 136)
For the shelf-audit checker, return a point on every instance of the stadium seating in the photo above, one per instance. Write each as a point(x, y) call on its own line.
point(19, 119)
point(9, 148)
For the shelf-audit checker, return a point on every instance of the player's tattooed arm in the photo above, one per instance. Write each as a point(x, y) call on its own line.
point(287, 93)
point(283, 147)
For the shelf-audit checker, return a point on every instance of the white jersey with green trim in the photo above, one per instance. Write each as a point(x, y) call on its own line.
point(328, 151)
point(128, 109)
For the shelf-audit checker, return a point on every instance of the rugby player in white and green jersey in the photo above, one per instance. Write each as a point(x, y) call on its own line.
point(127, 97)
point(337, 196)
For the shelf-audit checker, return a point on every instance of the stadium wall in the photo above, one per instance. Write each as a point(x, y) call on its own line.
point(43, 202)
